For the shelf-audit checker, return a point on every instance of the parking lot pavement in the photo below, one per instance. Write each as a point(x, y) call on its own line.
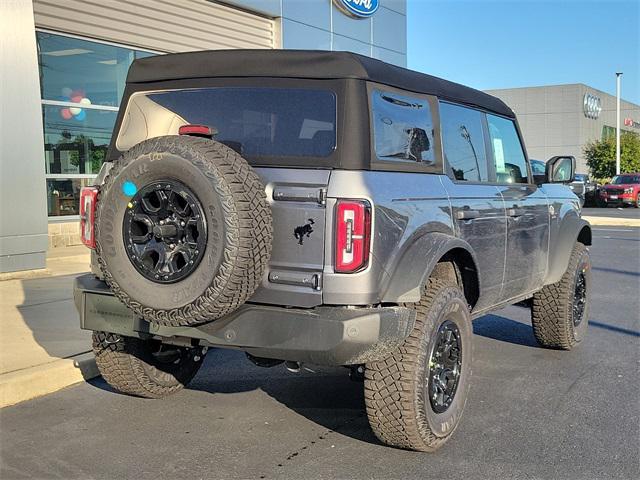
point(532, 413)
point(614, 212)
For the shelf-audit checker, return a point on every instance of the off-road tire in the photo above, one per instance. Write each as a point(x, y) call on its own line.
point(239, 230)
point(399, 412)
point(552, 313)
point(129, 366)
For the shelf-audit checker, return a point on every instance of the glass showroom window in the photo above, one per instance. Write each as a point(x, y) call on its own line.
point(81, 84)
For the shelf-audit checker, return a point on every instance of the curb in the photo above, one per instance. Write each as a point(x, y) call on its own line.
point(613, 221)
point(32, 382)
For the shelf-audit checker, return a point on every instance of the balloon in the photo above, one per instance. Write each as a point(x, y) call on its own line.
point(65, 113)
point(66, 92)
point(81, 116)
point(75, 110)
point(76, 98)
point(85, 101)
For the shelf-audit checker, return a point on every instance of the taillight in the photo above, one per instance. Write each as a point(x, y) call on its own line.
point(352, 235)
point(88, 203)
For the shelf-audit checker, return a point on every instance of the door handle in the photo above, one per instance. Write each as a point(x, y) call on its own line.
point(515, 212)
point(467, 214)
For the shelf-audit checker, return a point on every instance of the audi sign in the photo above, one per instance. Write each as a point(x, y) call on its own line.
point(592, 106)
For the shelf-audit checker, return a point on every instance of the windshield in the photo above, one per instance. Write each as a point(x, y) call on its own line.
point(623, 179)
point(253, 121)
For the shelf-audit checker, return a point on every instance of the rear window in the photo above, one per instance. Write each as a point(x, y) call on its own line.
point(255, 122)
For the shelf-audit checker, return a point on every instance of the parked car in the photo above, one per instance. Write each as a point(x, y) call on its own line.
point(623, 190)
point(329, 208)
point(584, 188)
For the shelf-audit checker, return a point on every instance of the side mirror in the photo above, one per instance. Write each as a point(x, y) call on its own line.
point(561, 169)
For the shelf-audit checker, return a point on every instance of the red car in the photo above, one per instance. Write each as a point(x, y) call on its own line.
point(623, 190)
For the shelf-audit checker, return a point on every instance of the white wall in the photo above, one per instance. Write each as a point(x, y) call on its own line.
point(23, 213)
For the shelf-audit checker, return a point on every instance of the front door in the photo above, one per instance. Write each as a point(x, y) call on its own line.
point(526, 208)
point(477, 205)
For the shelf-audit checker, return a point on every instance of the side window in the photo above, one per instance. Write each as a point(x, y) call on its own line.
point(402, 128)
point(463, 143)
point(508, 155)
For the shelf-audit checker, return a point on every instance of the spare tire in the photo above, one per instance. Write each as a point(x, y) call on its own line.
point(183, 230)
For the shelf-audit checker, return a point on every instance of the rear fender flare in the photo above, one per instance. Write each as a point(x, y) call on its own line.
point(417, 263)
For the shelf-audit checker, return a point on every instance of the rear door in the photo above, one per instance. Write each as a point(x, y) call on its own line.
point(526, 207)
point(477, 205)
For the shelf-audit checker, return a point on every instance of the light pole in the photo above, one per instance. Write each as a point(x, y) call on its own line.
point(618, 75)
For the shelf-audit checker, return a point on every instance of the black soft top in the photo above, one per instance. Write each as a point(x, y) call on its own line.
point(314, 64)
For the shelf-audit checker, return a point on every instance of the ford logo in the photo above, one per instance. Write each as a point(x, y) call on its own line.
point(358, 8)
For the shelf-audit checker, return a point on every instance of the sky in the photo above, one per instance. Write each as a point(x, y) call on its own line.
point(489, 44)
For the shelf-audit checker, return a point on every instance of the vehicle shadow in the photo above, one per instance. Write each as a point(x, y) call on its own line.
point(40, 323)
point(504, 329)
point(326, 396)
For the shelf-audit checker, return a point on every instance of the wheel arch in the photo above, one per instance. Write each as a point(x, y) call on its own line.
point(436, 254)
point(571, 230)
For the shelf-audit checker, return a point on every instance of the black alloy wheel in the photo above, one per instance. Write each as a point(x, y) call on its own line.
point(445, 365)
point(579, 298)
point(165, 231)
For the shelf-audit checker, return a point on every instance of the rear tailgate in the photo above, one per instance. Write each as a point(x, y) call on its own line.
point(297, 199)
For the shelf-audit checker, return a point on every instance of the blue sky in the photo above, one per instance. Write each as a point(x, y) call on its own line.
point(500, 44)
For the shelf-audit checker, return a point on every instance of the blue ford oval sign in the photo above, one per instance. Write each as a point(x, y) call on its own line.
point(358, 8)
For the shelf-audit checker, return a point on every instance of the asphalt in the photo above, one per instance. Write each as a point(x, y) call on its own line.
point(532, 413)
point(613, 212)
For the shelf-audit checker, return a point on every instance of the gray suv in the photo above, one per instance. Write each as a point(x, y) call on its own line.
point(328, 208)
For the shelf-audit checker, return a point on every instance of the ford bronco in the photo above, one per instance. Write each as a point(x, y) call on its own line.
point(327, 208)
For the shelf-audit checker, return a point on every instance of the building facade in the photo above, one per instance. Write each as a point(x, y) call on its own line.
point(64, 69)
point(562, 119)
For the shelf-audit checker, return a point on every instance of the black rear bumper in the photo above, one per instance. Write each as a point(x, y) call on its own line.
point(321, 335)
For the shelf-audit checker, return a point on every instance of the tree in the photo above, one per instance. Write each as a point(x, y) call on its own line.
point(601, 155)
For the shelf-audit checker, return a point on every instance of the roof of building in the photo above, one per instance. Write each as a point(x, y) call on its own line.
point(314, 64)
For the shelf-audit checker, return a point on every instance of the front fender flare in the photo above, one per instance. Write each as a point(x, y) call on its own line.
point(569, 231)
point(416, 264)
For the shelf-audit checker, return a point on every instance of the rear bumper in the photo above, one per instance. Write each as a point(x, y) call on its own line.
point(618, 201)
point(321, 335)
point(619, 198)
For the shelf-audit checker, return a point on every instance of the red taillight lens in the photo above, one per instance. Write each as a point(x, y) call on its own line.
point(88, 203)
point(195, 130)
point(352, 235)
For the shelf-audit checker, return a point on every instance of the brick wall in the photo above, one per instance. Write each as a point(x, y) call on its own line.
point(64, 234)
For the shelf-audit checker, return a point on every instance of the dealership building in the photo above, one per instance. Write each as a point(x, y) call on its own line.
point(562, 119)
point(64, 65)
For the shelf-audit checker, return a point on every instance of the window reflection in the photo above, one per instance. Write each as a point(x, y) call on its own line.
point(508, 154)
point(463, 142)
point(403, 129)
point(75, 146)
point(81, 83)
point(63, 195)
point(72, 69)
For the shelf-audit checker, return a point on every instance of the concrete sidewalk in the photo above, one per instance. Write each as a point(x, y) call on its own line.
point(612, 221)
point(42, 348)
